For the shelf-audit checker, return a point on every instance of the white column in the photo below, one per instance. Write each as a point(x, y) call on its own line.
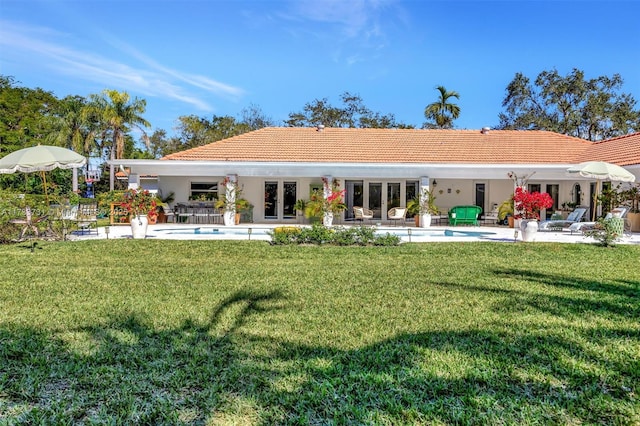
point(74, 180)
point(230, 189)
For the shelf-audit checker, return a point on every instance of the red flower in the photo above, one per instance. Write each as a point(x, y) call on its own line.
point(529, 204)
point(139, 202)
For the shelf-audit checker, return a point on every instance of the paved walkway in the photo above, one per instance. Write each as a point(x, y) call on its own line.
point(172, 231)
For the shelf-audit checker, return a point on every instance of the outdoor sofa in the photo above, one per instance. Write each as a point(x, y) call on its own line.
point(464, 215)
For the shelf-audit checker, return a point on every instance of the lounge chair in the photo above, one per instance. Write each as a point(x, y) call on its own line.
point(573, 217)
point(585, 226)
point(169, 214)
point(360, 213)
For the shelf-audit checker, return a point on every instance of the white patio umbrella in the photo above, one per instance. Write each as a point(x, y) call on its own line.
point(41, 158)
point(600, 171)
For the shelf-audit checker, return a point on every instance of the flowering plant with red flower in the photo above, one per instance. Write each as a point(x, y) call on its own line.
point(528, 204)
point(140, 202)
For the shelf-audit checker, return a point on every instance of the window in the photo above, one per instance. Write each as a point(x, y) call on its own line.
point(203, 191)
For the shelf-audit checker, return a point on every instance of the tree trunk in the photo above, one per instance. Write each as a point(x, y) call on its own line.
point(112, 172)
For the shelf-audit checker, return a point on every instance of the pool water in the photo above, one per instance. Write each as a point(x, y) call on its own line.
point(406, 232)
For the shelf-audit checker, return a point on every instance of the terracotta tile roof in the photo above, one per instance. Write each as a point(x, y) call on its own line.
point(297, 144)
point(623, 150)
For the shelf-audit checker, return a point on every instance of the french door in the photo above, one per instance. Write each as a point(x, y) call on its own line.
point(280, 199)
point(377, 196)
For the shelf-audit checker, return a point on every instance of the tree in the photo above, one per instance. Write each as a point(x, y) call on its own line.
point(116, 113)
point(589, 109)
point(69, 125)
point(352, 114)
point(22, 112)
point(197, 131)
point(254, 118)
point(440, 114)
point(159, 144)
point(24, 122)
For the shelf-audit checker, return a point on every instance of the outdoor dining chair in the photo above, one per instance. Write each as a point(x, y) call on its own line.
point(361, 214)
point(87, 218)
point(397, 214)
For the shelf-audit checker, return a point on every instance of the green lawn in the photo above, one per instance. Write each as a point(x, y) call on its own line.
point(241, 332)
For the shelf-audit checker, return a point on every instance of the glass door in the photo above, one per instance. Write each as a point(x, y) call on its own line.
point(393, 195)
point(480, 189)
point(289, 200)
point(274, 191)
point(411, 192)
point(375, 199)
point(354, 197)
point(271, 200)
point(554, 191)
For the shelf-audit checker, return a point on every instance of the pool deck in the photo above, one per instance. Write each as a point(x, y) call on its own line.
point(171, 231)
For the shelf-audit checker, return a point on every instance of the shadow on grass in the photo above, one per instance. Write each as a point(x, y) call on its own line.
point(621, 287)
point(224, 373)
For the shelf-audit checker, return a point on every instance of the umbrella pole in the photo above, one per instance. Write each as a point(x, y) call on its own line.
point(595, 202)
point(44, 185)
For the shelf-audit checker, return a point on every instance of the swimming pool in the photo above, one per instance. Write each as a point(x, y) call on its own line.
point(406, 234)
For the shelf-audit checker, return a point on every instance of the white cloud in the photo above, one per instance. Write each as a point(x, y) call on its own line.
point(359, 25)
point(35, 46)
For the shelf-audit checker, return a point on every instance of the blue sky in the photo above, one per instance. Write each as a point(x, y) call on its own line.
point(218, 57)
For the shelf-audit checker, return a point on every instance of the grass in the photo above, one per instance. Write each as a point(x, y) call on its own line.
point(240, 332)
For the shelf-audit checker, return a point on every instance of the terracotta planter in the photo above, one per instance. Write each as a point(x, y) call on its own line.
point(510, 220)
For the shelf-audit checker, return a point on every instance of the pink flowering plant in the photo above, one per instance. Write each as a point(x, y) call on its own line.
point(528, 204)
point(318, 205)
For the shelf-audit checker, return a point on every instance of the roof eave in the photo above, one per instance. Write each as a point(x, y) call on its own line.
point(344, 170)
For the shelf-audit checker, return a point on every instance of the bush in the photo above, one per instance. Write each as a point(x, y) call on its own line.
point(606, 231)
point(318, 234)
point(12, 206)
point(387, 240)
point(284, 235)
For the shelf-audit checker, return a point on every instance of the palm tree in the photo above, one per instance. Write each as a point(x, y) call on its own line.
point(116, 113)
point(70, 127)
point(442, 113)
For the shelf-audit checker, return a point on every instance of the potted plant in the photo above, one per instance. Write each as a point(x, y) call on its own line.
point(141, 206)
point(505, 212)
point(164, 203)
point(413, 208)
point(423, 206)
point(326, 207)
point(632, 196)
point(300, 207)
point(527, 207)
point(243, 206)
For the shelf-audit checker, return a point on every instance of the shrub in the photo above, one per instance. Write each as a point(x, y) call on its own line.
point(606, 232)
point(387, 240)
point(318, 234)
point(285, 235)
